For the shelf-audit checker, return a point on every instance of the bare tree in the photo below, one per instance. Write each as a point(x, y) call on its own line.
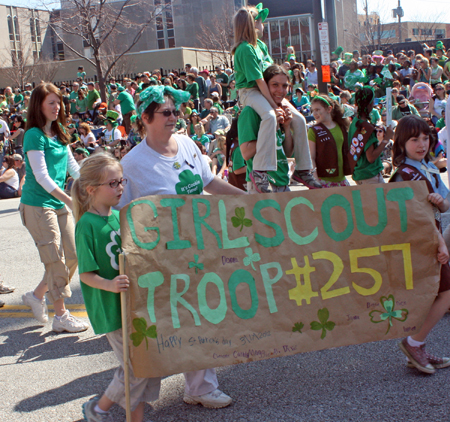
point(95, 22)
point(22, 69)
point(217, 37)
point(424, 26)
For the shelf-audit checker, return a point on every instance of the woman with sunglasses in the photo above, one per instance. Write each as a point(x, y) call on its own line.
point(437, 103)
point(165, 163)
point(44, 206)
point(17, 136)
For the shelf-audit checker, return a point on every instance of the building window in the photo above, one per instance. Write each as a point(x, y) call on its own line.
point(440, 32)
point(427, 31)
point(165, 33)
point(415, 31)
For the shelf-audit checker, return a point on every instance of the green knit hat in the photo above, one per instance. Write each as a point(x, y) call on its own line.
point(348, 58)
point(440, 46)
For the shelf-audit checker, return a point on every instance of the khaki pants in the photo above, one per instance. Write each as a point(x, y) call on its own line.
point(141, 389)
point(301, 144)
point(265, 158)
point(372, 181)
point(54, 235)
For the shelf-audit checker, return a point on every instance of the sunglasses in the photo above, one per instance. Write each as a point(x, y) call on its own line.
point(402, 103)
point(439, 89)
point(115, 183)
point(167, 113)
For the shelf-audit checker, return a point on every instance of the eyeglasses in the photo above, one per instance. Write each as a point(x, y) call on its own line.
point(167, 113)
point(115, 183)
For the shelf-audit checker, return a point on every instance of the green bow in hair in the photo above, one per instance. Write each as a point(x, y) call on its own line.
point(262, 13)
point(156, 94)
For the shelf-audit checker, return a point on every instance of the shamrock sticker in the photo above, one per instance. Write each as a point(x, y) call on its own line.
point(251, 258)
point(142, 331)
point(388, 303)
point(298, 326)
point(195, 264)
point(323, 323)
point(189, 184)
point(239, 219)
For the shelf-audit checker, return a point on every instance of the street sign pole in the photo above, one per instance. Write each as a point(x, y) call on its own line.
point(322, 44)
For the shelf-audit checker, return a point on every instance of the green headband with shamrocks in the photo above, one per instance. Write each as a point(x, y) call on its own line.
point(156, 94)
point(262, 13)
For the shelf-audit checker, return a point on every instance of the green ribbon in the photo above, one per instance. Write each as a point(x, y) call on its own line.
point(156, 94)
point(262, 13)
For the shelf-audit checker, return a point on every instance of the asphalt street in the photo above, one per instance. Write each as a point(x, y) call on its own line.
point(46, 377)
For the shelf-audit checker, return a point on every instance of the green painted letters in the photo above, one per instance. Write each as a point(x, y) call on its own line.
point(143, 245)
point(276, 240)
point(299, 240)
point(401, 195)
point(329, 203)
point(176, 298)
point(238, 277)
point(177, 243)
point(151, 281)
point(240, 242)
point(214, 316)
point(199, 221)
point(361, 224)
point(269, 282)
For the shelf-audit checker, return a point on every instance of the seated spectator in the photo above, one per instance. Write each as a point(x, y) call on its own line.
point(403, 108)
point(207, 104)
point(19, 166)
point(9, 179)
point(214, 122)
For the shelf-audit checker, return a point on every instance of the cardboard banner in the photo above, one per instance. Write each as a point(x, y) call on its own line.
point(219, 280)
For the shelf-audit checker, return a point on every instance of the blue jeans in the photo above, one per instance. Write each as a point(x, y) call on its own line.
point(7, 191)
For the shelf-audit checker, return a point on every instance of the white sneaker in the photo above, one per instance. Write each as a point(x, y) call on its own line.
point(39, 307)
point(214, 400)
point(69, 323)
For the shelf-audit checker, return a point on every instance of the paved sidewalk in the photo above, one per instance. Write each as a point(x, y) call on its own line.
point(45, 377)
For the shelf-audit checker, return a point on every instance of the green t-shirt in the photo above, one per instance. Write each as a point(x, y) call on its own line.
point(81, 75)
point(204, 139)
point(81, 104)
point(92, 97)
point(248, 128)
point(237, 159)
point(248, 65)
point(73, 106)
point(352, 78)
point(374, 116)
point(365, 170)
point(126, 102)
point(193, 90)
point(339, 139)
point(267, 60)
point(98, 246)
point(440, 123)
point(18, 99)
point(223, 78)
point(56, 155)
point(219, 107)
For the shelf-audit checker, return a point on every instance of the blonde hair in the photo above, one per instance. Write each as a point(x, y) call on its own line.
point(221, 141)
point(92, 173)
point(200, 126)
point(244, 27)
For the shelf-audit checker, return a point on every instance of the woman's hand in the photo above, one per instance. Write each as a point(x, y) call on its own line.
point(119, 284)
point(287, 118)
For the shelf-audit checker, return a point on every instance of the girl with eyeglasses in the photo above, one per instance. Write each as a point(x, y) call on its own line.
point(44, 206)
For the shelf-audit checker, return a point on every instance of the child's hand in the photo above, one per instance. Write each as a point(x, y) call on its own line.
point(119, 284)
point(436, 199)
point(443, 255)
point(287, 117)
point(279, 112)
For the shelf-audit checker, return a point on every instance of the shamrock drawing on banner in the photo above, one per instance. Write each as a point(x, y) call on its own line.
point(388, 304)
point(195, 264)
point(142, 331)
point(324, 324)
point(251, 258)
point(298, 326)
point(239, 219)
